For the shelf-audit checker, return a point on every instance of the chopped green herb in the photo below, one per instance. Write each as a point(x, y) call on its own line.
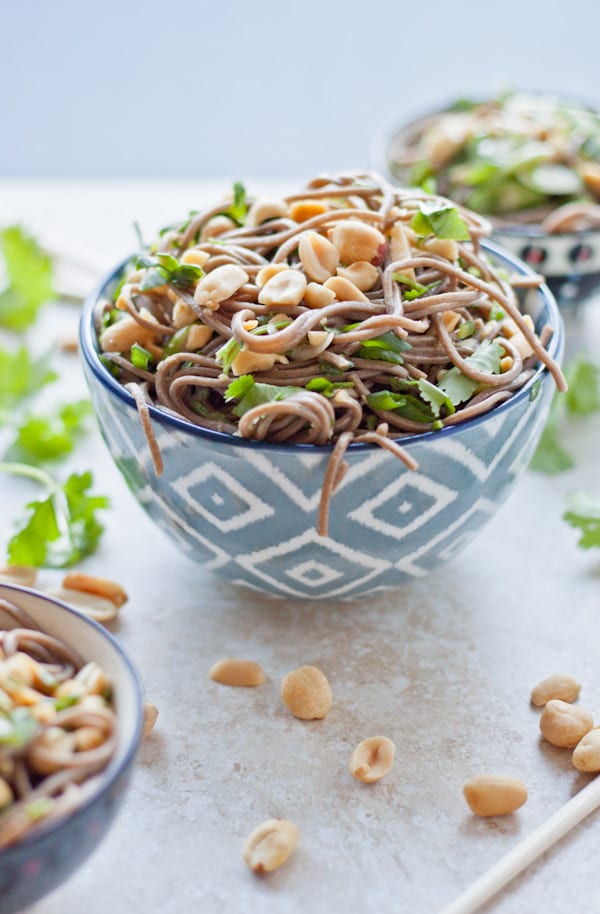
point(21, 376)
point(386, 348)
point(443, 222)
point(239, 207)
point(584, 514)
point(65, 701)
point(457, 386)
point(50, 437)
point(436, 398)
point(30, 281)
point(165, 269)
point(38, 808)
point(177, 343)
point(140, 357)
point(17, 728)
point(466, 329)
point(227, 353)
point(256, 394)
point(60, 529)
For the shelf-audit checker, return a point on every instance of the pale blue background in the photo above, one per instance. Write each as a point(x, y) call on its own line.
point(259, 89)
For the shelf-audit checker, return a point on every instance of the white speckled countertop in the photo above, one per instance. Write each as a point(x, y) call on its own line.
point(443, 667)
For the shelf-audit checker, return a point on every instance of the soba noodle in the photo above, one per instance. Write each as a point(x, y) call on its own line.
point(57, 728)
point(351, 311)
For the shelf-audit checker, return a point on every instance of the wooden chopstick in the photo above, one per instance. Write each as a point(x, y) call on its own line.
point(528, 850)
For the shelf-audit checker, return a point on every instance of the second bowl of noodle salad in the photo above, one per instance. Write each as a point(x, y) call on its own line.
point(528, 161)
point(70, 724)
point(327, 393)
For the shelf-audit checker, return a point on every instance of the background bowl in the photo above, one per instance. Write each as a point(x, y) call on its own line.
point(570, 261)
point(36, 865)
point(247, 510)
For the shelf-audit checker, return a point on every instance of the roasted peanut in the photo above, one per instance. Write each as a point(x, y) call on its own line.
point(590, 172)
point(494, 794)
point(362, 273)
point(451, 320)
point(317, 296)
point(93, 678)
point(150, 717)
point(558, 686)
point(270, 845)
point(216, 226)
point(400, 248)
point(198, 336)
point(183, 314)
point(102, 587)
point(261, 210)
point(285, 288)
point(247, 361)
point(344, 290)
point(233, 672)
point(18, 574)
point(268, 272)
point(586, 755)
point(563, 724)
point(99, 608)
point(218, 285)
point(506, 363)
point(71, 688)
point(355, 240)
point(303, 210)
point(193, 255)
point(318, 256)
point(121, 335)
point(512, 332)
point(372, 759)
point(306, 693)
point(88, 738)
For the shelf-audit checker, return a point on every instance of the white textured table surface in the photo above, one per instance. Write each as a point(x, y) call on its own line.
point(443, 666)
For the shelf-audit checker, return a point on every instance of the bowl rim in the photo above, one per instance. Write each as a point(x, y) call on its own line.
point(90, 354)
point(112, 772)
point(394, 126)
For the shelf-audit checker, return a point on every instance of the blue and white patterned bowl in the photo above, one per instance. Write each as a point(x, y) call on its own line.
point(247, 510)
point(40, 862)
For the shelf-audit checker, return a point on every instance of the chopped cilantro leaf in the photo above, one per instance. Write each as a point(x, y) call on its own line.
point(227, 353)
point(457, 386)
point(436, 398)
point(21, 376)
point(441, 221)
point(140, 357)
point(30, 283)
point(584, 513)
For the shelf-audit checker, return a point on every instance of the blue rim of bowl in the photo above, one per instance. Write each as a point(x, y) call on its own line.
point(89, 350)
point(388, 131)
point(108, 777)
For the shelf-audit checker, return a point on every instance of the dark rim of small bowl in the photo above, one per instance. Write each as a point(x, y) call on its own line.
point(394, 127)
point(89, 349)
point(108, 777)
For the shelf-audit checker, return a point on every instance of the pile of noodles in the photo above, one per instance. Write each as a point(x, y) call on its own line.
point(45, 780)
point(441, 298)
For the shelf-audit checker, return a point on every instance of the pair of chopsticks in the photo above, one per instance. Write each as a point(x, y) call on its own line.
point(528, 850)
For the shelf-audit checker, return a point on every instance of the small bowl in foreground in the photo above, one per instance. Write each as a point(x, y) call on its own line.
point(247, 509)
point(41, 861)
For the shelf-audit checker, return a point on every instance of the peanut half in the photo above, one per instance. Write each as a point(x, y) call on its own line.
point(355, 240)
point(102, 587)
point(563, 724)
point(18, 574)
point(318, 256)
point(306, 693)
point(372, 759)
point(218, 285)
point(270, 845)
point(558, 686)
point(99, 608)
point(284, 288)
point(586, 755)
point(234, 672)
point(494, 794)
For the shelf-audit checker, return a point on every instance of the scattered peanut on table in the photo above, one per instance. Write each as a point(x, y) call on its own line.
point(564, 724)
point(586, 755)
point(557, 686)
point(150, 717)
point(235, 672)
point(494, 794)
point(306, 693)
point(270, 845)
point(372, 759)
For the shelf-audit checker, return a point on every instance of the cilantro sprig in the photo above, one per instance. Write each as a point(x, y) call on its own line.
point(441, 221)
point(29, 276)
point(584, 514)
point(60, 529)
point(164, 269)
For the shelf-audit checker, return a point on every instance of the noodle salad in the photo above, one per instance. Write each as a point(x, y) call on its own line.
point(523, 159)
point(351, 311)
point(58, 730)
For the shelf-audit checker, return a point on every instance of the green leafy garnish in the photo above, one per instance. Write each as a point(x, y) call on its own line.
point(140, 357)
point(584, 513)
point(326, 387)
point(466, 330)
point(29, 274)
point(60, 529)
point(163, 269)
point(38, 808)
point(251, 393)
point(581, 399)
point(227, 353)
point(17, 728)
point(404, 404)
point(21, 376)
point(457, 386)
point(65, 701)
point(50, 437)
point(239, 207)
point(441, 221)
point(436, 398)
point(385, 348)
